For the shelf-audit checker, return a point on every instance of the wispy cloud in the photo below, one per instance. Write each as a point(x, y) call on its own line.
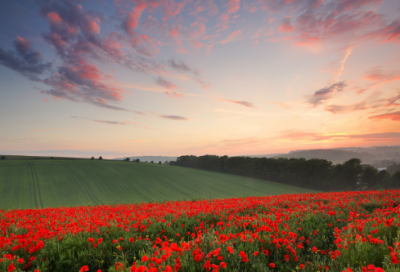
point(326, 93)
point(394, 116)
point(231, 37)
point(243, 103)
point(24, 60)
point(175, 94)
point(371, 102)
point(299, 135)
point(233, 6)
point(377, 75)
point(107, 122)
point(193, 73)
point(166, 83)
point(174, 117)
point(40, 130)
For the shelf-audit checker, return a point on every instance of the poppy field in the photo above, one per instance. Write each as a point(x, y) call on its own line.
point(346, 231)
point(26, 184)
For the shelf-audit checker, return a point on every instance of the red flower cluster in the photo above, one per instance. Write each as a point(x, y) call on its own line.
point(278, 231)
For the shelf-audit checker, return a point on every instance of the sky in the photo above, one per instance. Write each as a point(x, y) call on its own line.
point(181, 77)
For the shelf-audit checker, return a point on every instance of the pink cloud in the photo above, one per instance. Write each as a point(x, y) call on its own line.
point(233, 6)
point(131, 21)
point(54, 18)
point(198, 9)
point(377, 75)
point(314, 21)
point(209, 48)
point(394, 116)
point(205, 5)
point(82, 83)
point(171, 8)
point(232, 36)
point(175, 94)
point(183, 50)
point(286, 26)
point(223, 22)
point(391, 32)
point(196, 29)
point(224, 17)
point(196, 44)
point(371, 102)
point(94, 27)
point(175, 31)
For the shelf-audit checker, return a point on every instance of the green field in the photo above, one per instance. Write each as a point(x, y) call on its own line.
point(56, 183)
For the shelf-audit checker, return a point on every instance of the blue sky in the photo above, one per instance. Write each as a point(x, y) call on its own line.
point(166, 77)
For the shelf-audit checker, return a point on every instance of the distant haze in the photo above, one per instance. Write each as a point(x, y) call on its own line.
point(378, 156)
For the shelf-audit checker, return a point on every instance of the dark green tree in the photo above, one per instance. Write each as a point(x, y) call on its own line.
point(369, 177)
point(352, 172)
point(395, 180)
point(383, 180)
point(159, 162)
point(3, 157)
point(92, 158)
point(137, 160)
point(100, 158)
point(152, 162)
point(128, 159)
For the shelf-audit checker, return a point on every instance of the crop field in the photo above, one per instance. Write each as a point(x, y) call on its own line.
point(63, 183)
point(348, 231)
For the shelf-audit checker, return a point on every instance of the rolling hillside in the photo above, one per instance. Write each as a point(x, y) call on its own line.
point(54, 183)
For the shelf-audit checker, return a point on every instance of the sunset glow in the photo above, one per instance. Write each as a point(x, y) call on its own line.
point(176, 77)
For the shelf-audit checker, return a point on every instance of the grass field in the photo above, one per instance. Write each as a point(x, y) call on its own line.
point(61, 183)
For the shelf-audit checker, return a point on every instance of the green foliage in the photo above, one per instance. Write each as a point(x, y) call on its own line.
point(317, 174)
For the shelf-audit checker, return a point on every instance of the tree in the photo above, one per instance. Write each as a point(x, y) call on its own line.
point(395, 180)
point(128, 159)
point(137, 160)
point(3, 157)
point(92, 158)
point(352, 172)
point(100, 158)
point(383, 179)
point(159, 162)
point(152, 161)
point(52, 158)
point(369, 177)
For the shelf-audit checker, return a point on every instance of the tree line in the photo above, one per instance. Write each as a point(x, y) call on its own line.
point(318, 174)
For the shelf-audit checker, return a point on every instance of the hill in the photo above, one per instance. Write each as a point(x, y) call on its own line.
point(377, 156)
point(56, 183)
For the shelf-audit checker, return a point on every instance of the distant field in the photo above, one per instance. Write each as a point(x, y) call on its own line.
point(20, 157)
point(56, 183)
